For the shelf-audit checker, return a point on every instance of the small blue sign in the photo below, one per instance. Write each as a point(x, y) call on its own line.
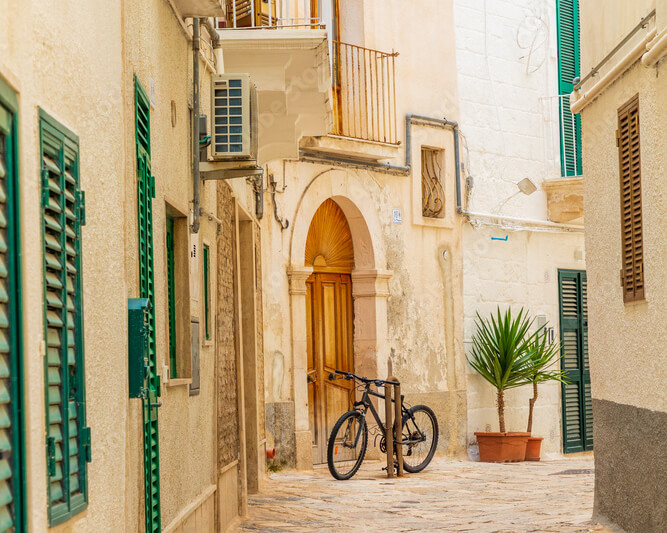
point(396, 216)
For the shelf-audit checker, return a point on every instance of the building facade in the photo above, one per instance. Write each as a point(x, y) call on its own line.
point(127, 425)
point(523, 242)
point(362, 267)
point(622, 108)
point(177, 312)
point(387, 218)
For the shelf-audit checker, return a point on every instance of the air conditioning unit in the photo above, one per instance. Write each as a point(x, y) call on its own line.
point(234, 124)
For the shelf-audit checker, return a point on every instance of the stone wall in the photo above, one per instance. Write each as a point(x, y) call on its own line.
point(507, 76)
point(226, 327)
point(519, 272)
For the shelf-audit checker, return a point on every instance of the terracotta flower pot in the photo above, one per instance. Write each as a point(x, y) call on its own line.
point(506, 447)
point(533, 448)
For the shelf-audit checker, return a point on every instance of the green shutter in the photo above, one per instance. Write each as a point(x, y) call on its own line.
point(207, 319)
point(68, 445)
point(12, 510)
point(145, 195)
point(567, 16)
point(171, 297)
point(576, 395)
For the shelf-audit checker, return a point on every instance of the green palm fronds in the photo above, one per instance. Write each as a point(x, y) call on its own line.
point(543, 356)
point(500, 349)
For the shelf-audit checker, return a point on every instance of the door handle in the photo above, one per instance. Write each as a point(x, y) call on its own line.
point(310, 378)
point(156, 404)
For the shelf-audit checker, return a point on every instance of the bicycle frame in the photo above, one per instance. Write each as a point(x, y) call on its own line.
point(365, 404)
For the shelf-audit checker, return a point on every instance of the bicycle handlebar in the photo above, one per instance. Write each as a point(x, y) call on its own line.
point(350, 375)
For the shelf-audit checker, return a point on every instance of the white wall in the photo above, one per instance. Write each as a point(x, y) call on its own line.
point(506, 58)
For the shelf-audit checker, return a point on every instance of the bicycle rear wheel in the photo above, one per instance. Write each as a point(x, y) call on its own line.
point(347, 445)
point(420, 429)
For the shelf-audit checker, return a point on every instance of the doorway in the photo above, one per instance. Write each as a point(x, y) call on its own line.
point(329, 321)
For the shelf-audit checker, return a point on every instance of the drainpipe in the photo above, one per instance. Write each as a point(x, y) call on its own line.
point(581, 99)
point(258, 182)
point(196, 181)
point(656, 49)
point(216, 44)
point(314, 157)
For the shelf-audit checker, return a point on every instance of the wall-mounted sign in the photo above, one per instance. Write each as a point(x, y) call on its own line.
point(396, 216)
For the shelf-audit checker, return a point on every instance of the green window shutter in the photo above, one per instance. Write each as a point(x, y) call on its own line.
point(68, 444)
point(12, 509)
point(171, 297)
point(207, 303)
point(576, 395)
point(145, 195)
point(567, 16)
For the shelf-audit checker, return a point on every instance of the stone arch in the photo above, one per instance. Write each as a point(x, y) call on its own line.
point(329, 241)
point(369, 288)
point(349, 194)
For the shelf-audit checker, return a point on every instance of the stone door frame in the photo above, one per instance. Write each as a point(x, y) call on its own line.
point(370, 288)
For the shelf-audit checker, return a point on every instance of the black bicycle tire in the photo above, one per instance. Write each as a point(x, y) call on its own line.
point(332, 441)
point(434, 444)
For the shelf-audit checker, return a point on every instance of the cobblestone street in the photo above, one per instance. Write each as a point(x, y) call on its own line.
point(550, 496)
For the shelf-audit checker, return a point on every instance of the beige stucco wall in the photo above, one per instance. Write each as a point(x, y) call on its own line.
point(412, 311)
point(603, 29)
point(75, 76)
point(627, 340)
point(158, 51)
point(616, 329)
point(85, 79)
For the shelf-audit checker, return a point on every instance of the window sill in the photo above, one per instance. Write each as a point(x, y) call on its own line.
point(179, 381)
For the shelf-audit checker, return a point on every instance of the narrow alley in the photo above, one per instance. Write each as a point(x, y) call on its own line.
point(448, 496)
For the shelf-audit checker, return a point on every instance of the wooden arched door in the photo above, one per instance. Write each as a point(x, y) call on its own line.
point(329, 321)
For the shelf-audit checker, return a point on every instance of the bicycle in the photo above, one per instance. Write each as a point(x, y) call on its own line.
point(346, 449)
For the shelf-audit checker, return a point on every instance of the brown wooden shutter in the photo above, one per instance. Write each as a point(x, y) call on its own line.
point(632, 271)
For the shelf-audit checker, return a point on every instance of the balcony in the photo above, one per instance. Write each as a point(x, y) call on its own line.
point(565, 195)
point(321, 86)
point(248, 14)
point(364, 93)
point(199, 8)
point(286, 52)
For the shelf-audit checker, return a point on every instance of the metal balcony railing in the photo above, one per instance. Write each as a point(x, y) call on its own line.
point(364, 81)
point(364, 93)
point(272, 14)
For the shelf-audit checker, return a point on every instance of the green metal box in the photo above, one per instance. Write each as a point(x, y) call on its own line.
point(138, 318)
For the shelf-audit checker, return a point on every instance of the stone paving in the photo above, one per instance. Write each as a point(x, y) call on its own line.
point(450, 495)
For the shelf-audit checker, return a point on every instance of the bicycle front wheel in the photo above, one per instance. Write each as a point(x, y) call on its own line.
point(420, 432)
point(347, 445)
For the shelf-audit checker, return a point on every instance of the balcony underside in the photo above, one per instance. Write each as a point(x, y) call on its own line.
point(350, 148)
point(199, 8)
point(290, 68)
point(565, 199)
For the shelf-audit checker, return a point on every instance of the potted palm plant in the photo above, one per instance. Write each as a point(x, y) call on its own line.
point(543, 355)
point(500, 354)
